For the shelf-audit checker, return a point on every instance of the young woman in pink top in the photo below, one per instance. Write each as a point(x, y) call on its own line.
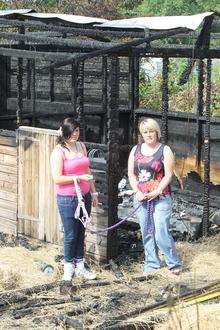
point(69, 161)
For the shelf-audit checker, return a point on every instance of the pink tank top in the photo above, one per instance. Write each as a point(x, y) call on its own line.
point(74, 166)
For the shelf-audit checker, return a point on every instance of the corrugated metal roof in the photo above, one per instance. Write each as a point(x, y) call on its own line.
point(191, 22)
point(158, 23)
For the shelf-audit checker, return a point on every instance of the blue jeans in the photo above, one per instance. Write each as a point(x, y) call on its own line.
point(161, 238)
point(74, 231)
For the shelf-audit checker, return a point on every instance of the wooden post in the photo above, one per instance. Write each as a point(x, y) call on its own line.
point(113, 155)
point(199, 109)
point(134, 72)
point(52, 96)
point(33, 91)
point(80, 99)
point(205, 219)
point(103, 128)
point(74, 91)
point(165, 101)
point(4, 69)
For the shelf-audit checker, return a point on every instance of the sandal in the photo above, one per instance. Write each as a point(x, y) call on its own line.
point(176, 271)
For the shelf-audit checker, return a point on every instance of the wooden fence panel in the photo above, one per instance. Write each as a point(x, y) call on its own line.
point(8, 182)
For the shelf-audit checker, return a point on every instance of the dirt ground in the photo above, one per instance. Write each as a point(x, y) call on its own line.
point(91, 306)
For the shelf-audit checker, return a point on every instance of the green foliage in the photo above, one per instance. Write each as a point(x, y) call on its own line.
point(171, 7)
point(181, 98)
point(97, 8)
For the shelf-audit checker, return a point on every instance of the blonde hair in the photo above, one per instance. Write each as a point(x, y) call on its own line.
point(150, 124)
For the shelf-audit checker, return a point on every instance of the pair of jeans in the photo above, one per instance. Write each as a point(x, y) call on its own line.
point(74, 231)
point(161, 237)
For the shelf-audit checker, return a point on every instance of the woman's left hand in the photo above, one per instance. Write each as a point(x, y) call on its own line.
point(153, 194)
point(95, 201)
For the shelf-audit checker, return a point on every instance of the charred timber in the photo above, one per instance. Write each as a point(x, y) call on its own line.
point(95, 32)
point(44, 52)
point(165, 101)
point(205, 219)
point(83, 44)
point(119, 47)
point(113, 152)
point(199, 109)
point(177, 115)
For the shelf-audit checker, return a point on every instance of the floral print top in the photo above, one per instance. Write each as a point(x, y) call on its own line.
point(149, 169)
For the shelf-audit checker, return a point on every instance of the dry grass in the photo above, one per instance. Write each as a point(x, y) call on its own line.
point(197, 317)
point(20, 268)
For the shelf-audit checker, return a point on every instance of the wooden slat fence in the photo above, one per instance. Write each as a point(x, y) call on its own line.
point(8, 182)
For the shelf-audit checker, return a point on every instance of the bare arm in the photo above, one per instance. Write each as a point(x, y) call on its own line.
point(133, 178)
point(169, 164)
point(92, 182)
point(56, 162)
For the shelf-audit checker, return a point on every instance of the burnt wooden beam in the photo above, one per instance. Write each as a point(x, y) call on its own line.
point(14, 52)
point(63, 53)
point(165, 101)
point(52, 95)
point(28, 79)
point(199, 109)
point(117, 47)
point(179, 51)
point(113, 154)
point(80, 99)
point(205, 218)
point(19, 91)
point(176, 115)
point(4, 72)
point(74, 87)
point(83, 44)
point(134, 71)
point(103, 130)
point(33, 91)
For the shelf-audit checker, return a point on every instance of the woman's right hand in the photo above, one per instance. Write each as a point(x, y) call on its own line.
point(85, 177)
point(140, 196)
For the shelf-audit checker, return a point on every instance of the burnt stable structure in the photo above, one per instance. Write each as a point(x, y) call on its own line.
point(99, 60)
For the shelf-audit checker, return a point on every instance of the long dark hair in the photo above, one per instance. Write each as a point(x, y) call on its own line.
point(66, 129)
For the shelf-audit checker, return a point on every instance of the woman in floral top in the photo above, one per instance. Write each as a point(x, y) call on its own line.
point(150, 171)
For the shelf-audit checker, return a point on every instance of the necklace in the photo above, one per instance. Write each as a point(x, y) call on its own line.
point(72, 148)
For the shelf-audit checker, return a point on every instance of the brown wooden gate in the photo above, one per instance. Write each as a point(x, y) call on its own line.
point(37, 213)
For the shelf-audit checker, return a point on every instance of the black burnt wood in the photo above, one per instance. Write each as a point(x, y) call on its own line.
point(28, 79)
point(205, 219)
point(113, 49)
point(134, 72)
point(177, 116)
point(113, 154)
point(199, 109)
point(103, 129)
point(19, 91)
point(165, 101)
point(80, 99)
point(74, 87)
point(33, 90)
point(4, 83)
point(52, 94)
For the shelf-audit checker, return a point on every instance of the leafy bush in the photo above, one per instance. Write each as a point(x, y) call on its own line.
point(181, 97)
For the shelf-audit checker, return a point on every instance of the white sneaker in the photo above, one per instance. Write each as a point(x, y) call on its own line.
point(81, 271)
point(69, 269)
